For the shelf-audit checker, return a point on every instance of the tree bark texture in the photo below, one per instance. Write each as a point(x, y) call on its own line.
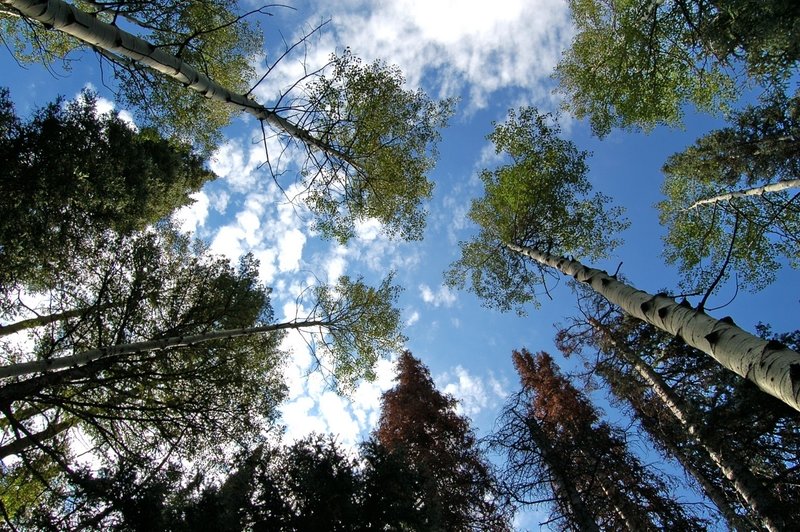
point(66, 18)
point(86, 357)
point(756, 191)
point(772, 366)
point(760, 502)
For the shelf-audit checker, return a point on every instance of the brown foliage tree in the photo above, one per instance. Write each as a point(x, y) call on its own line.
point(584, 459)
point(458, 488)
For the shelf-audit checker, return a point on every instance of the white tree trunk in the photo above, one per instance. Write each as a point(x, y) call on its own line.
point(39, 321)
point(772, 366)
point(66, 18)
point(744, 482)
point(756, 191)
point(80, 359)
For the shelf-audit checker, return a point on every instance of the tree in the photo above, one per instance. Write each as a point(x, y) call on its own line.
point(70, 172)
point(732, 469)
point(730, 204)
point(551, 431)
point(635, 64)
point(420, 423)
point(214, 36)
point(311, 484)
point(527, 208)
point(367, 140)
point(175, 354)
point(541, 197)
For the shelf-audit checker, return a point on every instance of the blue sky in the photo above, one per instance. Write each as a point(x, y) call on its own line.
point(493, 56)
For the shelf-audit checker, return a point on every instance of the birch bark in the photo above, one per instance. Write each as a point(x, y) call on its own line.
point(773, 367)
point(756, 191)
point(91, 355)
point(111, 39)
point(759, 501)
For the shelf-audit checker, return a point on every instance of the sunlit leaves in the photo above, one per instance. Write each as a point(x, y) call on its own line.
point(636, 64)
point(387, 135)
point(542, 199)
point(362, 325)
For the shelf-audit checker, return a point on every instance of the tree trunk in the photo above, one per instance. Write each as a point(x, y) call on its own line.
point(39, 321)
point(712, 491)
point(21, 444)
point(562, 484)
point(772, 366)
point(97, 34)
point(756, 191)
point(762, 505)
point(86, 357)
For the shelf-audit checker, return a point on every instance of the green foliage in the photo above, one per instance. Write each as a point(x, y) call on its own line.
point(193, 402)
point(540, 199)
point(387, 136)
point(361, 325)
point(210, 35)
point(635, 64)
point(312, 484)
point(760, 33)
point(70, 173)
point(747, 235)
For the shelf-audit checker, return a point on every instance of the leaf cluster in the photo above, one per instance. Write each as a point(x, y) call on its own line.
point(540, 199)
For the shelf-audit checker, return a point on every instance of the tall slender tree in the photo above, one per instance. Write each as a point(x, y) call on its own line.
point(176, 353)
point(420, 423)
point(554, 432)
point(731, 200)
point(369, 142)
point(740, 474)
point(535, 211)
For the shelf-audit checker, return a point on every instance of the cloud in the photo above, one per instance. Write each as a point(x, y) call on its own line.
point(474, 393)
point(458, 41)
point(469, 390)
point(193, 216)
point(412, 319)
point(441, 297)
point(290, 250)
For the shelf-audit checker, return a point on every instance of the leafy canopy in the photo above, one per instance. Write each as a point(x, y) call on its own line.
point(214, 36)
point(387, 136)
point(540, 199)
point(635, 64)
point(70, 173)
point(747, 235)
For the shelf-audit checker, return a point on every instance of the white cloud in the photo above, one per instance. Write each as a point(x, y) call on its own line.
point(238, 166)
point(473, 392)
point(443, 296)
point(414, 318)
point(459, 40)
point(191, 217)
point(290, 250)
point(469, 390)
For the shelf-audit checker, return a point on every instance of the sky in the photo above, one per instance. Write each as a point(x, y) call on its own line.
point(493, 56)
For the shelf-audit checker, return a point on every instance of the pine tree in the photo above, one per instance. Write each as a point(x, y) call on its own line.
point(421, 423)
point(554, 434)
point(735, 440)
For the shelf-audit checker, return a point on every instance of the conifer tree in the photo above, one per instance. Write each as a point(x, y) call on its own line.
point(736, 441)
point(421, 423)
point(595, 480)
